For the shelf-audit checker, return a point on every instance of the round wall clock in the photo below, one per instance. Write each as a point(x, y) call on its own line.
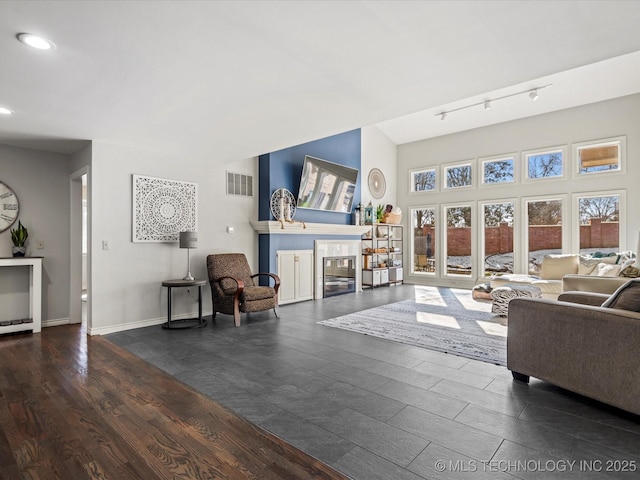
point(377, 183)
point(9, 207)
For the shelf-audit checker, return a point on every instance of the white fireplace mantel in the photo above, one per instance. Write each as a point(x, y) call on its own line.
point(271, 227)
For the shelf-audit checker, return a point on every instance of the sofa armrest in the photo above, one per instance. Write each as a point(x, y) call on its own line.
point(584, 298)
point(588, 283)
point(588, 350)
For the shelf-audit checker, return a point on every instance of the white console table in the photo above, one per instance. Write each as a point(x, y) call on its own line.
point(35, 292)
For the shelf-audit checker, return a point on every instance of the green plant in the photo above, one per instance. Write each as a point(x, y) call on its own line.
point(19, 235)
point(380, 213)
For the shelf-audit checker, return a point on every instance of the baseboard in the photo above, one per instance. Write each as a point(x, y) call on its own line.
point(140, 324)
point(54, 322)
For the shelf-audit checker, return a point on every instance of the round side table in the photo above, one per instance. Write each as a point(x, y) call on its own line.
point(184, 322)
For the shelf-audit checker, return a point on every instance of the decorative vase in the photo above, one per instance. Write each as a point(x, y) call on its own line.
point(18, 251)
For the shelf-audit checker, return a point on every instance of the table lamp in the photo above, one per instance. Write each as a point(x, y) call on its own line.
point(188, 240)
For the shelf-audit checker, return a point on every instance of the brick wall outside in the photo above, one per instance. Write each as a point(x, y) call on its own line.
point(500, 239)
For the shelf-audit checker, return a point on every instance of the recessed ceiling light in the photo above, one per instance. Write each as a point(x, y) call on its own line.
point(35, 41)
point(5, 111)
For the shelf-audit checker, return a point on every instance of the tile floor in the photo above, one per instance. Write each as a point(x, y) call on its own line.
point(376, 409)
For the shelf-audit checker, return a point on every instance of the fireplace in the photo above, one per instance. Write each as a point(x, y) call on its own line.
point(339, 275)
point(336, 249)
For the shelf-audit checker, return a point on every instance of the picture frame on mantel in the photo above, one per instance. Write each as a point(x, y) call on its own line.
point(162, 208)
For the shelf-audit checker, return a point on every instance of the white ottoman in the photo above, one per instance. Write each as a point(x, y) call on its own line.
point(501, 296)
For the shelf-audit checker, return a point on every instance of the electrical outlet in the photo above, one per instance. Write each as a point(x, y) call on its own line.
point(106, 245)
point(230, 230)
point(40, 244)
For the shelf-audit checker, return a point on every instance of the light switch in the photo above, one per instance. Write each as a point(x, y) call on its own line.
point(40, 244)
point(106, 245)
point(230, 230)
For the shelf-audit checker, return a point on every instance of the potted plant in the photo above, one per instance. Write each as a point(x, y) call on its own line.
point(19, 237)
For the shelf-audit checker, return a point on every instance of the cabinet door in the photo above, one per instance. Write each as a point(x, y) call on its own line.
point(287, 274)
point(304, 267)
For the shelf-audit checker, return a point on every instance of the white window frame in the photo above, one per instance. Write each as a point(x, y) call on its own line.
point(566, 222)
point(412, 172)
point(442, 256)
point(481, 232)
point(622, 212)
point(621, 142)
point(544, 151)
point(412, 249)
point(496, 158)
point(448, 166)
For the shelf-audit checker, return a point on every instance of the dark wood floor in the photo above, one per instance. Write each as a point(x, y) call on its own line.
point(76, 407)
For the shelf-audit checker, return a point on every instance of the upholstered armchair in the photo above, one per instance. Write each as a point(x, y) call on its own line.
point(233, 289)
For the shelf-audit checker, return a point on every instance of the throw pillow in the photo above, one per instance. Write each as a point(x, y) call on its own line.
point(630, 271)
point(627, 297)
point(605, 270)
point(586, 265)
point(554, 267)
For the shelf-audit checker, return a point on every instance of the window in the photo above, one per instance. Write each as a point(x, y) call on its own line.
point(544, 230)
point(423, 221)
point(600, 156)
point(497, 237)
point(499, 170)
point(423, 180)
point(458, 241)
point(457, 176)
point(599, 221)
point(544, 164)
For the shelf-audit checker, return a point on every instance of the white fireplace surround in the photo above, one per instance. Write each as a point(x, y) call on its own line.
point(335, 248)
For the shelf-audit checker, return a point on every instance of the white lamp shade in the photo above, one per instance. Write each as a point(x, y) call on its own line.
point(188, 239)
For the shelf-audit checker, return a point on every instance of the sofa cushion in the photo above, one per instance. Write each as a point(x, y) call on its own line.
point(627, 297)
point(554, 267)
point(553, 287)
point(605, 270)
point(586, 265)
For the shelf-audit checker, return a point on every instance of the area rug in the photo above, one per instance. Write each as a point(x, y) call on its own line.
point(443, 319)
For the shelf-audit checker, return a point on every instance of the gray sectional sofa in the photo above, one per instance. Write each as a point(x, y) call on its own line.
point(580, 343)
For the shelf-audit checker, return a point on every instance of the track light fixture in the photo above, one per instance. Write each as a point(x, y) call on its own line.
point(487, 104)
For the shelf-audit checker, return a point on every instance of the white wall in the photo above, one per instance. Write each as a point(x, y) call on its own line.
point(41, 182)
point(126, 289)
point(591, 122)
point(378, 152)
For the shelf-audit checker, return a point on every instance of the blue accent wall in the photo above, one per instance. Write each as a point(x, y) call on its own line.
point(283, 169)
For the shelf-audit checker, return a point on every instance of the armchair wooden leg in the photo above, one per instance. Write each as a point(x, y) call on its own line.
point(275, 312)
point(236, 314)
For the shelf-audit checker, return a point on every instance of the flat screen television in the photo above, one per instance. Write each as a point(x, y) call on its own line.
point(326, 185)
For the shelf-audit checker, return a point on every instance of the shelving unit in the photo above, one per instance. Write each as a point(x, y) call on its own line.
point(382, 261)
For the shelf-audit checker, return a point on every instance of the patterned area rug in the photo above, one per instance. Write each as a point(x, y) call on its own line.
point(443, 319)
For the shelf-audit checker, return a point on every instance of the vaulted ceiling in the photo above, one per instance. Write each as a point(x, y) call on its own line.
point(227, 80)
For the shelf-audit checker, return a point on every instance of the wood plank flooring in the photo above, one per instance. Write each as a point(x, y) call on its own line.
point(78, 407)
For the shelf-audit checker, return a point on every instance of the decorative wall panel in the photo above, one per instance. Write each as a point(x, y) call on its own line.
point(163, 208)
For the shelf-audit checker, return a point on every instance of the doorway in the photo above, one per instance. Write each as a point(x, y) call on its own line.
point(80, 290)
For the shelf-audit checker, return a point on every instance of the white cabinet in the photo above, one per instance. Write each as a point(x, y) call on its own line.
point(375, 277)
point(295, 269)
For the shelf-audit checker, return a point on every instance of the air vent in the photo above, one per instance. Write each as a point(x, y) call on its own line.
point(239, 184)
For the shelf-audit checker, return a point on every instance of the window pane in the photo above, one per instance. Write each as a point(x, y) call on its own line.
point(544, 228)
point(544, 165)
point(599, 159)
point(498, 238)
point(599, 224)
point(458, 255)
point(498, 171)
point(424, 181)
point(424, 240)
point(459, 176)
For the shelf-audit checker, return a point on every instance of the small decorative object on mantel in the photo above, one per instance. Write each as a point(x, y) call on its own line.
point(392, 215)
point(368, 214)
point(19, 238)
point(283, 207)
